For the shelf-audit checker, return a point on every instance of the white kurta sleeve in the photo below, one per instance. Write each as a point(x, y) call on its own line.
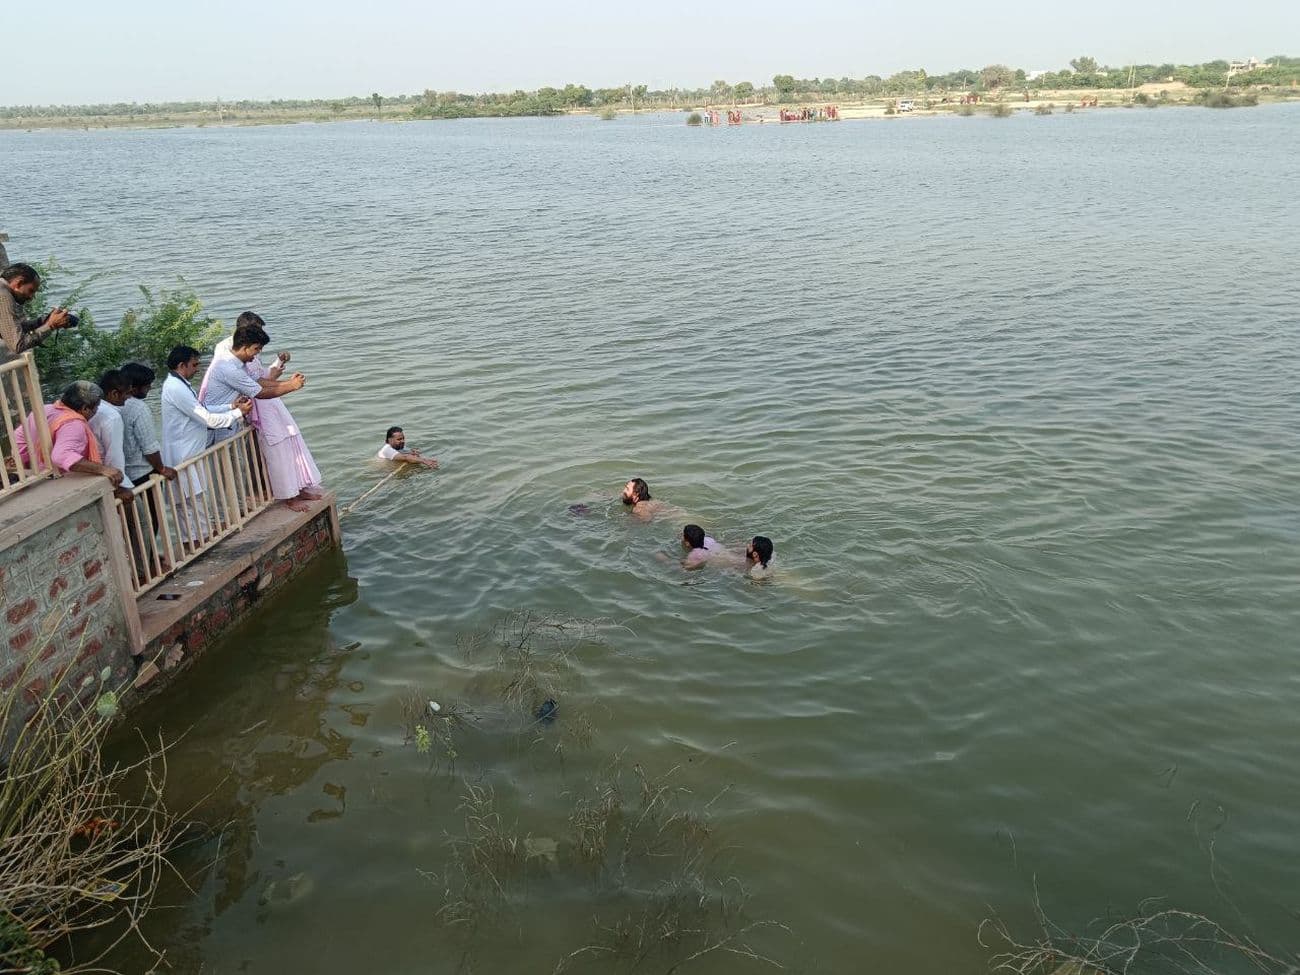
point(218, 420)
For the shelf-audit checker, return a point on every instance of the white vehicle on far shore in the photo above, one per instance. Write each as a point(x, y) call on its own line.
point(906, 105)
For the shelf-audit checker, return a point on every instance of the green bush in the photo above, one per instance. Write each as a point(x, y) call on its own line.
point(145, 334)
point(1044, 109)
point(1001, 110)
point(1224, 99)
point(695, 118)
point(608, 113)
point(966, 111)
point(16, 949)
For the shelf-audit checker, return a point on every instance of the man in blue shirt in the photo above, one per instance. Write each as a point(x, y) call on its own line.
point(228, 379)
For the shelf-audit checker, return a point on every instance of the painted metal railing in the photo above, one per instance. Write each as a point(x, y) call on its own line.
point(169, 524)
point(20, 396)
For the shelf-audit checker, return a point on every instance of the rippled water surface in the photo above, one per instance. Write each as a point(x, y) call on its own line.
point(1015, 399)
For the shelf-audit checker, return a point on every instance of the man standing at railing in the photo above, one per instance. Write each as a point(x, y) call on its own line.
point(106, 425)
point(228, 377)
point(18, 285)
point(290, 469)
point(187, 431)
point(140, 446)
point(142, 454)
point(74, 446)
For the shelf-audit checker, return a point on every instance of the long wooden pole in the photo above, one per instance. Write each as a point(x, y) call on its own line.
point(346, 511)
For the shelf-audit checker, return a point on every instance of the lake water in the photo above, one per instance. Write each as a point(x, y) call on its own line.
point(1015, 399)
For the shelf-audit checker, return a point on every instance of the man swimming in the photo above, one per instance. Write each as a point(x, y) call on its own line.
point(758, 557)
point(699, 546)
point(636, 495)
point(394, 449)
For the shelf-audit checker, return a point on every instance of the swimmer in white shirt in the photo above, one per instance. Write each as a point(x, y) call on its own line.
point(758, 557)
point(394, 449)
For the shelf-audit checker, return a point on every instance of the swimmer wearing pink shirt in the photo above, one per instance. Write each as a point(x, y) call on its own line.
point(699, 547)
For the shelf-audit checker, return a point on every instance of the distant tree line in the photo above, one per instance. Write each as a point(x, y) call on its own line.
point(1083, 72)
point(355, 104)
point(544, 101)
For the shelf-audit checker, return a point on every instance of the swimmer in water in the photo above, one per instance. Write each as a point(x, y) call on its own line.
point(395, 449)
point(636, 495)
point(758, 557)
point(699, 547)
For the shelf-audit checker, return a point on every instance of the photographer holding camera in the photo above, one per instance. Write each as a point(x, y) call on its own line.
point(18, 334)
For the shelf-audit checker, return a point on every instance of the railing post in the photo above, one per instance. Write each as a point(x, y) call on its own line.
point(232, 474)
point(125, 521)
point(235, 517)
point(20, 397)
point(38, 414)
point(9, 412)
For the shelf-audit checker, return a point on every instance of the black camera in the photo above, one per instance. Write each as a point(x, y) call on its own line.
point(73, 320)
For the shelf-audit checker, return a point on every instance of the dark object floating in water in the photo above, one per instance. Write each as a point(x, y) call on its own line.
point(548, 711)
point(579, 510)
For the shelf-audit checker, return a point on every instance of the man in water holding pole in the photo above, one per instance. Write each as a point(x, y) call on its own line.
point(395, 449)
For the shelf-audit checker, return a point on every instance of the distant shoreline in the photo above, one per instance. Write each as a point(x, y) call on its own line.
point(1152, 95)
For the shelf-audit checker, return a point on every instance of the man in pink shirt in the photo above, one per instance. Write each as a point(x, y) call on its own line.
point(75, 447)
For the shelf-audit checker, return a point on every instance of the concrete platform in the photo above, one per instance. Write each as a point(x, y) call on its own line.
point(192, 588)
point(70, 618)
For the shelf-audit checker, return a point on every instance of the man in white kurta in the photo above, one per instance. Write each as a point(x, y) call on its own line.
point(187, 427)
point(107, 427)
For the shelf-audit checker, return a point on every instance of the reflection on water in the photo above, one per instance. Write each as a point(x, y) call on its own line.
point(247, 734)
point(1014, 398)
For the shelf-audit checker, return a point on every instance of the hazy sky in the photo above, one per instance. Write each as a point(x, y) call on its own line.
point(147, 50)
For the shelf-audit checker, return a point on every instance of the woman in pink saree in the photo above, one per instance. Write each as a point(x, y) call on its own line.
point(293, 474)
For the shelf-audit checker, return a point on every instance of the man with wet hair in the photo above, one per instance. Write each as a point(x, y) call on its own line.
point(636, 495)
point(75, 447)
point(758, 556)
point(395, 449)
point(18, 285)
point(699, 546)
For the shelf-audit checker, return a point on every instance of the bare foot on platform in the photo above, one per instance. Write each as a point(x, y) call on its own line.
point(297, 504)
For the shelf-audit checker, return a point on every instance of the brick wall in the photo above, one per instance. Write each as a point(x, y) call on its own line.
point(61, 608)
point(200, 629)
point(63, 617)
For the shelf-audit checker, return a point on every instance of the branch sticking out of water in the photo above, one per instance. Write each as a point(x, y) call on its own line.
point(647, 855)
point(1153, 939)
